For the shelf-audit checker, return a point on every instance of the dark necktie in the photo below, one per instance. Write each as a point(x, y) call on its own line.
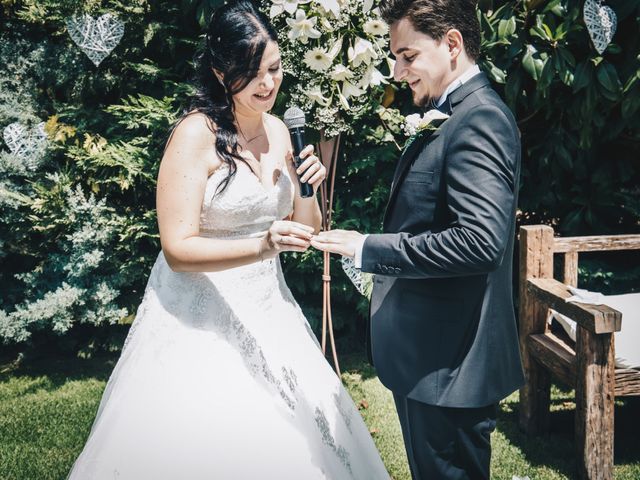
point(444, 108)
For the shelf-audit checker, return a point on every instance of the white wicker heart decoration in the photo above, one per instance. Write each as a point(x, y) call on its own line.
point(97, 37)
point(601, 23)
point(361, 280)
point(25, 142)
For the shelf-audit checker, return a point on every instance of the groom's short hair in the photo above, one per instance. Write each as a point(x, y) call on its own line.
point(436, 17)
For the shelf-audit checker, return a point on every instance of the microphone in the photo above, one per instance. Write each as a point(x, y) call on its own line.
point(294, 120)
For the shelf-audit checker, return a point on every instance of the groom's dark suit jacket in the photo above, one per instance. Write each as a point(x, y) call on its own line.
point(442, 325)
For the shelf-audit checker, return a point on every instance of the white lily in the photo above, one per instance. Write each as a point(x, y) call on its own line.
point(392, 65)
point(326, 24)
point(330, 6)
point(351, 90)
point(343, 101)
point(280, 6)
point(361, 52)
point(372, 77)
point(341, 73)
point(335, 49)
point(366, 6)
point(318, 60)
point(302, 28)
point(315, 94)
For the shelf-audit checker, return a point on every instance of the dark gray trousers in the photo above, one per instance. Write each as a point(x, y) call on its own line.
point(445, 443)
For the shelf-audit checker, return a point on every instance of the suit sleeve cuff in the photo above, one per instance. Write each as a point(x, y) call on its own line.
point(357, 257)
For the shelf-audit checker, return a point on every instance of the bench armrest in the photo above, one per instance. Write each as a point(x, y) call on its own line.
point(595, 318)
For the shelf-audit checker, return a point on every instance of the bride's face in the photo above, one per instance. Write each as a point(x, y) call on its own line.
point(260, 94)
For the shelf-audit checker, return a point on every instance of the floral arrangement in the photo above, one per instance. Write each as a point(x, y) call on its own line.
point(337, 51)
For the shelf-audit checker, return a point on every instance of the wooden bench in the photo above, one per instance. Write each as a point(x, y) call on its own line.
point(588, 366)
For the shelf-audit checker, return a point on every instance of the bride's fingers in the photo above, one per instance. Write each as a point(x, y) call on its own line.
point(308, 163)
point(294, 228)
point(291, 240)
point(314, 168)
point(318, 177)
point(294, 248)
point(293, 224)
point(308, 150)
point(296, 232)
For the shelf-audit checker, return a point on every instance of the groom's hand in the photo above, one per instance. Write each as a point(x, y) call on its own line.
point(343, 242)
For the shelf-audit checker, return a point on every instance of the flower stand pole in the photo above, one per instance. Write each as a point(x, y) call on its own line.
point(328, 151)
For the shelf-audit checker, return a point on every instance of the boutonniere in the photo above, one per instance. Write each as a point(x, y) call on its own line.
point(415, 124)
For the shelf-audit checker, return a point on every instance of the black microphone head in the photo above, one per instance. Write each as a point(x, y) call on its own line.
point(294, 118)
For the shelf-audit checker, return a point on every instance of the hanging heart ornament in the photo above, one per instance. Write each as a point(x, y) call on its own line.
point(24, 142)
point(97, 37)
point(601, 23)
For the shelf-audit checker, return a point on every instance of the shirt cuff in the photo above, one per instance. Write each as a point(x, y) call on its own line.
point(357, 257)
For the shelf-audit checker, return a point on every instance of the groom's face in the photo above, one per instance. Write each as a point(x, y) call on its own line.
point(421, 61)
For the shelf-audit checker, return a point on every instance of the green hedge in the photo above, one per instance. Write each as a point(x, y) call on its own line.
point(78, 231)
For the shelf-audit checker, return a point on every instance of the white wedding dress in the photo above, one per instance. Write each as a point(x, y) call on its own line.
point(221, 377)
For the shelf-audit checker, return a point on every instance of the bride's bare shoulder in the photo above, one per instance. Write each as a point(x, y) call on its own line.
point(194, 126)
point(278, 125)
point(193, 139)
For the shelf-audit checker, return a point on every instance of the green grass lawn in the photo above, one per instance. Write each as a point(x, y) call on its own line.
point(47, 407)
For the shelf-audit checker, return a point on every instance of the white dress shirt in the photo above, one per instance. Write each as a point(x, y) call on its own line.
point(458, 82)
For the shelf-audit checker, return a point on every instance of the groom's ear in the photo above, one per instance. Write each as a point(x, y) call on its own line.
point(455, 42)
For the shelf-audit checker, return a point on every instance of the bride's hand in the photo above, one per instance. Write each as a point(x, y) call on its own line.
point(285, 236)
point(311, 170)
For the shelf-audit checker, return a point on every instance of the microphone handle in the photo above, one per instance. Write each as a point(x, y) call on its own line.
point(297, 139)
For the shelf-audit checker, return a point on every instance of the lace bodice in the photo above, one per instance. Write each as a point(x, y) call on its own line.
point(245, 207)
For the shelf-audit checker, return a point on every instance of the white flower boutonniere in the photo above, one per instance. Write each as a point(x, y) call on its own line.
point(415, 124)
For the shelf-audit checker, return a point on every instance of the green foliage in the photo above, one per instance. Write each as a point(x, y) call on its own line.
point(78, 231)
point(78, 228)
point(578, 111)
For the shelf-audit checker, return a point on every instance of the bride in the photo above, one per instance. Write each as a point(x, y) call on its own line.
point(220, 376)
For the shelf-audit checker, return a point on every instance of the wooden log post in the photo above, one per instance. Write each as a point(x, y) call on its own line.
point(595, 395)
point(570, 270)
point(536, 261)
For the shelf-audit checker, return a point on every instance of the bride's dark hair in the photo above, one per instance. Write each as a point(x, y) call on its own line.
point(235, 40)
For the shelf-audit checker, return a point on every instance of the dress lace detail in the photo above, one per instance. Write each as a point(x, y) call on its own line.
point(221, 376)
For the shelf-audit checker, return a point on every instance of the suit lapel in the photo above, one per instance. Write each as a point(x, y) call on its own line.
point(403, 165)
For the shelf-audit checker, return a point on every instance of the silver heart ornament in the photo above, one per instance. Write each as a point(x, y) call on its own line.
point(601, 23)
point(25, 142)
point(97, 37)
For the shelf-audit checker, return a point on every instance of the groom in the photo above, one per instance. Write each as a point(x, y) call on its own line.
point(442, 329)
